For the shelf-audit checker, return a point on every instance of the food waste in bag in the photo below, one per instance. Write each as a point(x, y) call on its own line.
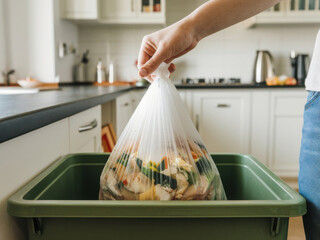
point(160, 154)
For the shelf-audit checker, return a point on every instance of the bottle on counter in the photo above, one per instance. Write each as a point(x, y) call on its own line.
point(100, 72)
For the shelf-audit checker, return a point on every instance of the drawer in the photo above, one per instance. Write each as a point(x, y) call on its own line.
point(85, 131)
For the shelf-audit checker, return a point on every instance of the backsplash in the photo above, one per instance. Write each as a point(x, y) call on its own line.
point(229, 53)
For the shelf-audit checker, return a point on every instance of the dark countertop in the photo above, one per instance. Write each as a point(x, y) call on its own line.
point(20, 114)
point(228, 86)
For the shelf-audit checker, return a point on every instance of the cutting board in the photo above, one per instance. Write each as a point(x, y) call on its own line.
point(40, 87)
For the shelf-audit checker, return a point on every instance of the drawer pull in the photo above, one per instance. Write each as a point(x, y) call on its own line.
point(223, 105)
point(88, 127)
point(126, 104)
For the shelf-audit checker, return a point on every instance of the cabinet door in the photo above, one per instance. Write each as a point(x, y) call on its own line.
point(286, 120)
point(85, 131)
point(222, 118)
point(133, 11)
point(80, 9)
point(136, 97)
point(186, 97)
point(152, 10)
point(21, 159)
point(118, 10)
point(124, 111)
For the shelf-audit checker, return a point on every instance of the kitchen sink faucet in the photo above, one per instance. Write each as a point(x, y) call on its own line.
point(6, 76)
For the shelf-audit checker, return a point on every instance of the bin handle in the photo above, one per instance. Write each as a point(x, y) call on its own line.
point(88, 127)
point(37, 226)
point(275, 226)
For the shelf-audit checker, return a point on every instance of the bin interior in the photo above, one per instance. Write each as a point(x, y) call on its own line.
point(77, 178)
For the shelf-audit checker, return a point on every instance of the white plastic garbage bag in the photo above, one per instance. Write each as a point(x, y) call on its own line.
point(160, 154)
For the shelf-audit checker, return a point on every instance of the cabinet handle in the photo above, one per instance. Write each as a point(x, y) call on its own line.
point(132, 5)
point(88, 127)
point(223, 105)
point(197, 122)
point(126, 104)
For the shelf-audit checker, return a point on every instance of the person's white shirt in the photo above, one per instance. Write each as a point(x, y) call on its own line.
point(313, 78)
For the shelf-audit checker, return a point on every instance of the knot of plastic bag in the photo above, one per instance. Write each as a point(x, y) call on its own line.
point(162, 71)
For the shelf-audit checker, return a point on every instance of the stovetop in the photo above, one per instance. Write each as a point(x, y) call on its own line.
point(220, 80)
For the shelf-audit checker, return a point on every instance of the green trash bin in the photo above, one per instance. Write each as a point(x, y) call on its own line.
point(61, 203)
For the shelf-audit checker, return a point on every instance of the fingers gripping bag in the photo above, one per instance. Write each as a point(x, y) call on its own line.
point(160, 154)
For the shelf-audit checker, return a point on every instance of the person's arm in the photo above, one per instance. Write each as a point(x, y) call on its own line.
point(182, 36)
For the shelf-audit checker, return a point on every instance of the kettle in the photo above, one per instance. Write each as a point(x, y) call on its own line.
point(80, 70)
point(263, 67)
point(300, 66)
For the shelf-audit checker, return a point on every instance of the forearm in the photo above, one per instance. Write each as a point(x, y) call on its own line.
point(216, 15)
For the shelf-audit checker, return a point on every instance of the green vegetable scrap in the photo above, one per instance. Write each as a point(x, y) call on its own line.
point(124, 159)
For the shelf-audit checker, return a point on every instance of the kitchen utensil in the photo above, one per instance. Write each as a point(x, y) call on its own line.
point(26, 83)
point(300, 65)
point(100, 72)
point(263, 67)
point(80, 71)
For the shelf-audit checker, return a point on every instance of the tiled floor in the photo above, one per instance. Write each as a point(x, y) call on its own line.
point(296, 231)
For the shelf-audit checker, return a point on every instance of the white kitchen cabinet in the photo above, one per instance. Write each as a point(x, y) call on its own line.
point(186, 97)
point(124, 110)
point(125, 106)
point(223, 120)
point(290, 12)
point(85, 131)
point(265, 123)
point(136, 97)
point(286, 121)
point(114, 11)
point(276, 127)
point(132, 12)
point(24, 157)
point(259, 131)
point(118, 10)
point(79, 9)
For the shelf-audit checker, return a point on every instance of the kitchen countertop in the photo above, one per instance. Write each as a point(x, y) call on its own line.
point(228, 86)
point(20, 114)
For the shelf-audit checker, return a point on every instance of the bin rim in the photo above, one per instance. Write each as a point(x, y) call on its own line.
point(19, 207)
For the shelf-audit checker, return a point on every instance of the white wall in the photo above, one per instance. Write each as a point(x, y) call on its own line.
point(67, 32)
point(17, 38)
point(229, 53)
point(41, 39)
point(33, 30)
point(2, 42)
point(29, 38)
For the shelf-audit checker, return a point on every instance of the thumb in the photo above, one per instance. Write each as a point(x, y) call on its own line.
point(153, 63)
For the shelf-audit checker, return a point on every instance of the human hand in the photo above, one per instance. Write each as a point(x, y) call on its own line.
point(164, 46)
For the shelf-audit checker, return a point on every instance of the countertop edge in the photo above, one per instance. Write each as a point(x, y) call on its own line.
point(20, 124)
point(24, 123)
